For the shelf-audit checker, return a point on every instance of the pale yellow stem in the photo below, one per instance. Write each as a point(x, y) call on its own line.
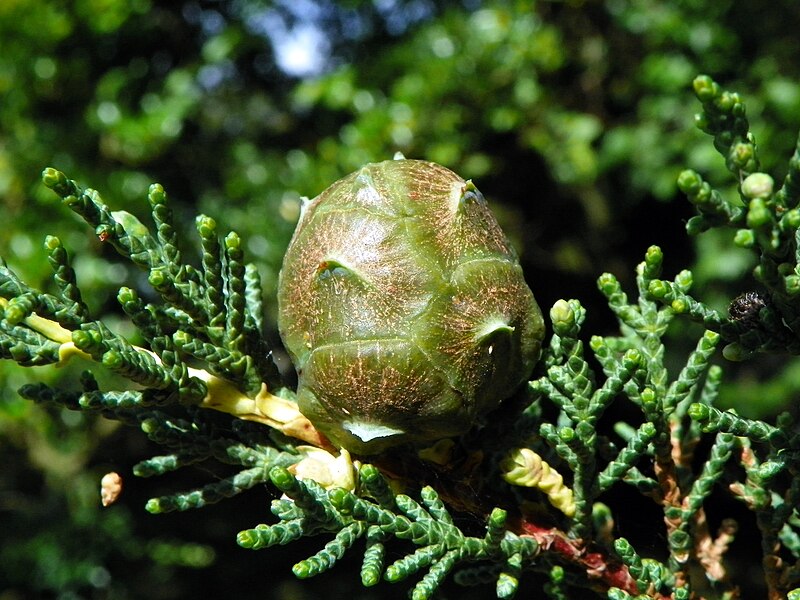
point(525, 468)
point(274, 411)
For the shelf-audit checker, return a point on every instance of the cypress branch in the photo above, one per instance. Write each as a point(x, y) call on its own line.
point(468, 513)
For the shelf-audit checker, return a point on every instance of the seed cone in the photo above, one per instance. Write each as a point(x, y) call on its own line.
point(404, 308)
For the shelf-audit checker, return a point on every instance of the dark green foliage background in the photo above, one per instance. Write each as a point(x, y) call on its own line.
point(574, 118)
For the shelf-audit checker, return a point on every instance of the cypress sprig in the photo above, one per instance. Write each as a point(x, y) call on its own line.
point(126, 406)
point(123, 231)
point(429, 584)
point(570, 376)
point(785, 519)
point(435, 506)
point(167, 237)
point(695, 368)
point(376, 486)
point(547, 388)
point(174, 432)
point(623, 374)
point(713, 419)
point(128, 235)
point(118, 401)
point(573, 381)
point(523, 546)
point(285, 509)
point(634, 563)
point(215, 307)
point(712, 470)
point(138, 366)
point(645, 320)
point(331, 553)
point(420, 528)
point(235, 300)
point(25, 347)
point(724, 117)
point(413, 563)
point(255, 336)
point(309, 497)
point(184, 296)
point(495, 530)
point(43, 393)
point(710, 390)
point(768, 224)
point(567, 318)
point(190, 389)
point(714, 209)
point(10, 285)
point(255, 307)
point(616, 381)
point(555, 437)
point(440, 544)
point(264, 536)
point(412, 509)
point(682, 593)
point(160, 465)
point(374, 561)
point(233, 452)
point(606, 350)
point(23, 301)
point(208, 494)
point(634, 366)
point(142, 315)
point(350, 505)
point(229, 364)
point(95, 340)
point(680, 539)
point(688, 432)
point(213, 264)
point(118, 355)
point(179, 285)
point(674, 294)
point(584, 476)
point(617, 299)
point(64, 278)
point(751, 491)
point(192, 442)
point(661, 576)
point(635, 449)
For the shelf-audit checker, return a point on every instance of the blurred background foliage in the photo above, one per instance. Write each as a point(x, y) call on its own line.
point(574, 117)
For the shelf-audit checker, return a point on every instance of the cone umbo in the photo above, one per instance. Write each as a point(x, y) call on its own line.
point(404, 308)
